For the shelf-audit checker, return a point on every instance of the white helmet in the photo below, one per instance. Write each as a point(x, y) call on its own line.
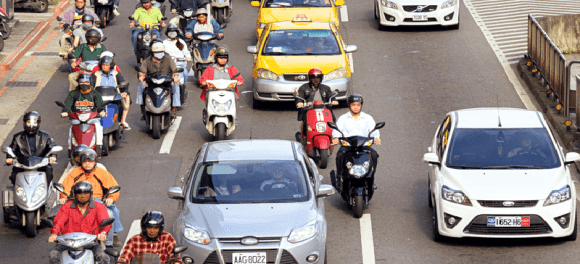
point(107, 54)
point(157, 47)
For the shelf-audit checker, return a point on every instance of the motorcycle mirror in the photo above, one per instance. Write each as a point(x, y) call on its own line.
point(103, 39)
point(131, 18)
point(202, 4)
point(47, 222)
point(224, 25)
point(59, 103)
point(114, 189)
point(54, 150)
point(8, 150)
point(123, 84)
point(71, 56)
point(137, 68)
point(112, 252)
point(173, 3)
point(332, 125)
point(164, 18)
point(59, 187)
point(58, 18)
point(380, 125)
point(107, 222)
point(179, 249)
point(179, 70)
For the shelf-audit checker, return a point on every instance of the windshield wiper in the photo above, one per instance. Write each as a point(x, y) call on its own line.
point(514, 167)
point(277, 53)
point(465, 167)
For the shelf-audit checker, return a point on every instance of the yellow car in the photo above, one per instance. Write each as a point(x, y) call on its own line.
point(288, 50)
point(285, 10)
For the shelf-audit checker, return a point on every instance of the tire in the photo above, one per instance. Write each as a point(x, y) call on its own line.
point(198, 74)
point(1, 44)
point(572, 237)
point(429, 199)
point(156, 126)
point(30, 225)
point(436, 236)
point(220, 133)
point(6, 216)
point(106, 145)
point(183, 94)
point(454, 27)
point(256, 104)
point(43, 6)
point(6, 30)
point(220, 14)
point(103, 18)
point(358, 206)
point(323, 158)
point(326, 255)
point(376, 12)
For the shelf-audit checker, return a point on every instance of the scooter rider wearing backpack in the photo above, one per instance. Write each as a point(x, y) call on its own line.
point(101, 180)
point(107, 75)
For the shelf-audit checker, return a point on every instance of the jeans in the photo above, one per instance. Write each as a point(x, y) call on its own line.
point(184, 74)
point(117, 226)
point(176, 99)
point(98, 252)
point(136, 33)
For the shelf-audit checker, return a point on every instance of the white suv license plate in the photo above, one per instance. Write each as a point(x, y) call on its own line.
point(508, 221)
point(420, 18)
point(249, 258)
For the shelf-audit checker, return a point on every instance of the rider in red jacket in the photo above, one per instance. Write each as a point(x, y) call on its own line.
point(220, 70)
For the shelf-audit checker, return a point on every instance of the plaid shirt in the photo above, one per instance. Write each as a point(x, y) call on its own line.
point(137, 245)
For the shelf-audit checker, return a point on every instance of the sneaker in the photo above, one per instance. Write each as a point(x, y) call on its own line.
point(116, 12)
point(174, 110)
point(127, 127)
point(116, 242)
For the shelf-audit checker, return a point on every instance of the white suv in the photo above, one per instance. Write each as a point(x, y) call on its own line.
point(417, 12)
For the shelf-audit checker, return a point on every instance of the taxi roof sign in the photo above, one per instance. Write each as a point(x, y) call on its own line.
point(301, 18)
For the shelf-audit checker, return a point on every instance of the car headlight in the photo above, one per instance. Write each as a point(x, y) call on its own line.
point(448, 3)
point(454, 196)
point(39, 192)
point(558, 196)
point(303, 233)
point(389, 4)
point(84, 117)
point(262, 25)
point(19, 190)
point(321, 127)
point(336, 74)
point(358, 170)
point(200, 237)
point(266, 74)
point(344, 143)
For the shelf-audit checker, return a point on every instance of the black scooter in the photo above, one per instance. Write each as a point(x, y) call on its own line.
point(145, 39)
point(356, 180)
point(104, 9)
point(157, 97)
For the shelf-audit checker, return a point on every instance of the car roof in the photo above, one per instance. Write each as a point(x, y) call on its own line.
point(251, 149)
point(493, 116)
point(300, 25)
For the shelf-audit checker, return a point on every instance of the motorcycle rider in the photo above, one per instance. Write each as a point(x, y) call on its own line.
point(101, 180)
point(145, 14)
point(159, 64)
point(312, 91)
point(151, 240)
point(77, 156)
point(220, 70)
point(201, 24)
point(31, 142)
point(85, 98)
point(89, 51)
point(67, 18)
point(80, 33)
point(185, 4)
point(81, 214)
point(355, 123)
point(177, 48)
point(108, 76)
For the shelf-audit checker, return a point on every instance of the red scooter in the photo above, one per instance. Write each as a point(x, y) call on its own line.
point(318, 134)
point(82, 131)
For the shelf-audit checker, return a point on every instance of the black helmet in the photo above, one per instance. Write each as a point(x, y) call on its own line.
point(107, 60)
point(93, 33)
point(81, 187)
point(78, 150)
point(31, 122)
point(152, 219)
point(88, 154)
point(355, 98)
point(222, 53)
point(172, 27)
point(87, 17)
point(145, 1)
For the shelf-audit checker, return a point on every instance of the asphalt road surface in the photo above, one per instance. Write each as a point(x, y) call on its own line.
point(409, 77)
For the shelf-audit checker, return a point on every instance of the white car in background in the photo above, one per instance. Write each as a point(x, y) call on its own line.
point(417, 13)
point(499, 173)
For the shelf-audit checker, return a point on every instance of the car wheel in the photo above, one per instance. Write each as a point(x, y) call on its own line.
point(376, 11)
point(325, 255)
point(454, 27)
point(572, 237)
point(256, 104)
point(430, 195)
point(436, 236)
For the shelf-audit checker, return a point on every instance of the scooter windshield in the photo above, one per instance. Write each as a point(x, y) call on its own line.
point(30, 161)
point(146, 258)
point(357, 141)
point(204, 36)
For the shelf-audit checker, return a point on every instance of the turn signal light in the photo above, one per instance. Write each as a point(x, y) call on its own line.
point(210, 85)
point(559, 107)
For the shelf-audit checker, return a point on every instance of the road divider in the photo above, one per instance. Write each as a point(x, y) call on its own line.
point(366, 238)
point(168, 140)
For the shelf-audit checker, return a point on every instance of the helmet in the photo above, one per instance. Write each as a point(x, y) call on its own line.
point(87, 17)
point(201, 11)
point(157, 46)
point(107, 54)
point(78, 150)
point(222, 53)
point(152, 219)
point(81, 187)
point(315, 73)
point(107, 60)
point(93, 33)
point(31, 122)
point(84, 77)
point(355, 98)
point(88, 154)
point(172, 27)
point(145, 1)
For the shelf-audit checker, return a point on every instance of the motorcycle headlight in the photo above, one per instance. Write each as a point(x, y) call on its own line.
point(368, 143)
point(147, 37)
point(358, 170)
point(19, 190)
point(454, 196)
point(84, 117)
point(349, 165)
point(558, 196)
point(188, 13)
point(266, 74)
point(389, 4)
point(321, 127)
point(158, 81)
point(366, 164)
point(157, 90)
point(448, 3)
point(303, 233)
point(39, 192)
point(336, 74)
point(344, 143)
point(75, 243)
point(221, 108)
point(200, 237)
point(262, 25)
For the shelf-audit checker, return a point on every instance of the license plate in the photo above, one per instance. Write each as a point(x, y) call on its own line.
point(249, 258)
point(420, 18)
point(508, 221)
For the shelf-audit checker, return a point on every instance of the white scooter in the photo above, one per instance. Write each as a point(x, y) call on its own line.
point(221, 10)
point(219, 115)
point(32, 191)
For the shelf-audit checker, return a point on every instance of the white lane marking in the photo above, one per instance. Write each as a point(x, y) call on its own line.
point(366, 237)
point(246, 92)
point(168, 140)
point(134, 230)
point(351, 64)
point(343, 14)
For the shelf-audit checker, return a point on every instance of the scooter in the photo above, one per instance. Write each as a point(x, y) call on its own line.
point(183, 18)
point(82, 131)
point(68, 30)
point(219, 115)
point(318, 136)
point(356, 180)
point(38, 6)
point(112, 132)
point(5, 29)
point(151, 258)
point(203, 50)
point(144, 39)
point(104, 9)
point(34, 195)
point(221, 9)
point(158, 95)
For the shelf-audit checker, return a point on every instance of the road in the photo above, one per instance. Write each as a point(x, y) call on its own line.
point(409, 77)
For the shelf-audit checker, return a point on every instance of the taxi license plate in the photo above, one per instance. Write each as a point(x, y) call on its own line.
point(249, 258)
point(508, 221)
point(420, 18)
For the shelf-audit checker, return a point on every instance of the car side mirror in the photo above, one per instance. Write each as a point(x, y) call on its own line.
point(252, 49)
point(253, 3)
point(179, 249)
point(339, 2)
point(175, 193)
point(571, 157)
point(107, 222)
point(351, 48)
point(432, 159)
point(325, 190)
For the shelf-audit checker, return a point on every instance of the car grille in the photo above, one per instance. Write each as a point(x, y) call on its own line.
point(431, 19)
point(286, 96)
point(260, 240)
point(287, 258)
point(271, 254)
point(479, 226)
point(413, 8)
point(296, 77)
point(524, 203)
point(212, 259)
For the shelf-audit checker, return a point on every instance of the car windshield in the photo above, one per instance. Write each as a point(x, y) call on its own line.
point(502, 149)
point(250, 182)
point(297, 3)
point(301, 42)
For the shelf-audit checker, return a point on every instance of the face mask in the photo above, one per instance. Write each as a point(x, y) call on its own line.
point(84, 87)
point(159, 55)
point(172, 34)
point(87, 26)
point(80, 11)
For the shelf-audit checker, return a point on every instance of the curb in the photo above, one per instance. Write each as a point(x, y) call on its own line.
point(30, 40)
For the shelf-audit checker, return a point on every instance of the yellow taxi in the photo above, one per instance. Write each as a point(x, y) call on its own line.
point(285, 10)
point(287, 50)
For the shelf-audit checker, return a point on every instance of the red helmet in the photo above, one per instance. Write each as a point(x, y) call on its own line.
point(315, 73)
